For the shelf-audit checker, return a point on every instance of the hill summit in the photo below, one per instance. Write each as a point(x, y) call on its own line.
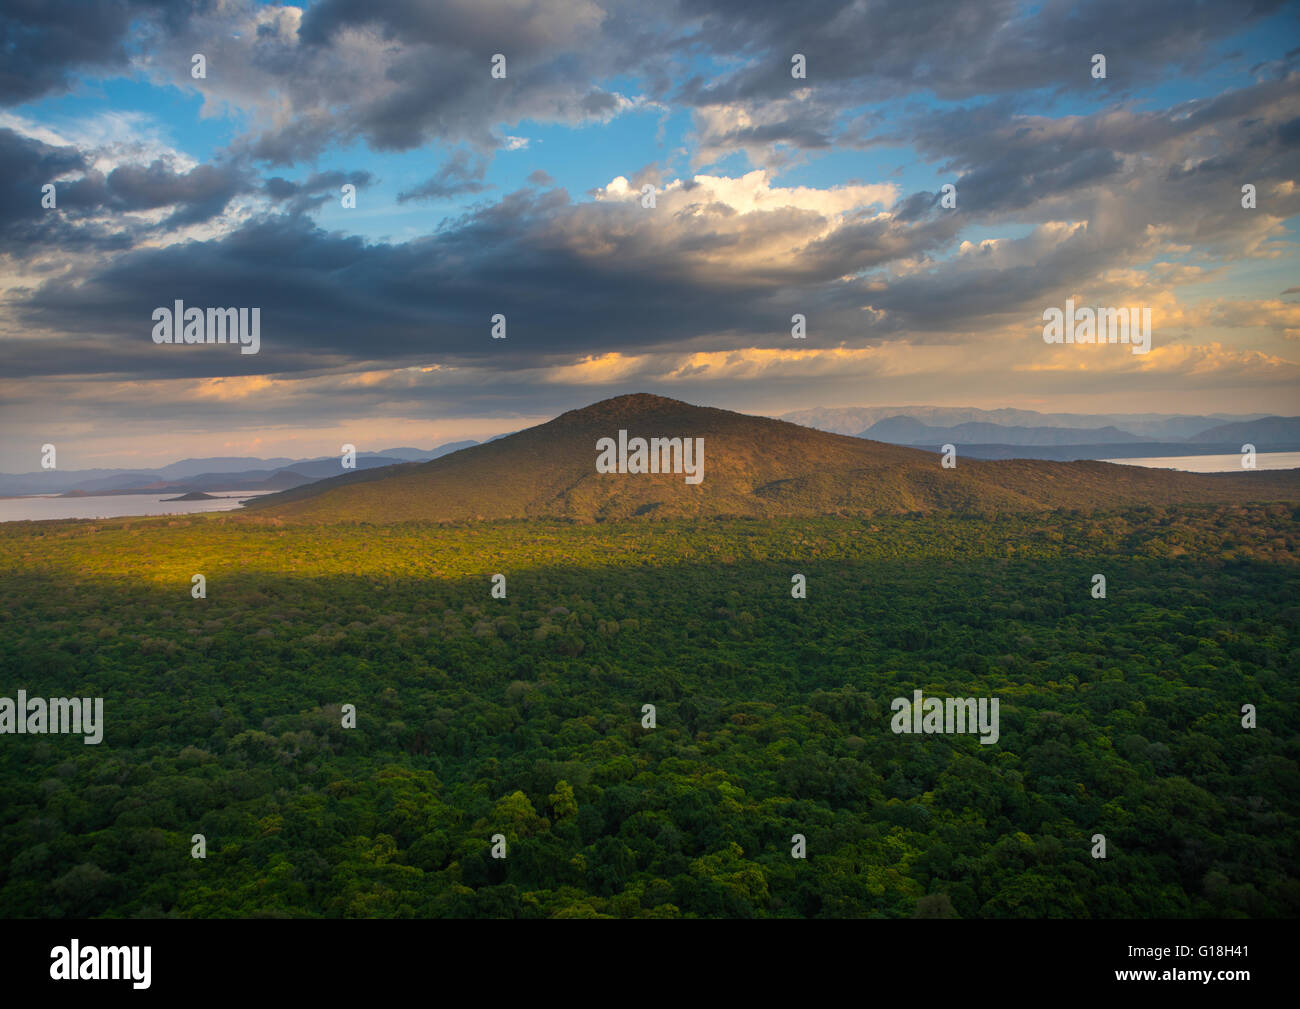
point(753, 466)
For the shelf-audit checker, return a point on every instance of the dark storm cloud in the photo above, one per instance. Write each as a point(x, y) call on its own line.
point(868, 242)
point(601, 275)
point(305, 137)
point(957, 52)
point(1006, 163)
point(313, 191)
point(979, 134)
point(44, 41)
point(1031, 166)
point(27, 164)
point(809, 128)
point(428, 93)
point(327, 299)
point(478, 26)
point(857, 53)
point(434, 95)
point(90, 204)
point(26, 227)
point(1288, 134)
point(943, 298)
point(1129, 175)
point(199, 195)
point(462, 174)
point(431, 79)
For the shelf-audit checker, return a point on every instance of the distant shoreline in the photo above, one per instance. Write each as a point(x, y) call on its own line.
point(79, 495)
point(95, 507)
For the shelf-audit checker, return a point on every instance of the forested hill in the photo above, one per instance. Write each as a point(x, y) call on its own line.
point(753, 466)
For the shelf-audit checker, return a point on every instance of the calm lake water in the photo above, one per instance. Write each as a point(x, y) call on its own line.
point(109, 506)
point(1215, 463)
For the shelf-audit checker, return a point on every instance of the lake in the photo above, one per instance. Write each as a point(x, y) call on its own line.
point(108, 506)
point(1214, 463)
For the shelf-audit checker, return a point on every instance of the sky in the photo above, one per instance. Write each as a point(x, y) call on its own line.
point(516, 187)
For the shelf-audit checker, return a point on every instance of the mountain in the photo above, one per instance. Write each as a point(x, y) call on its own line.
point(282, 479)
point(1146, 426)
point(218, 464)
point(424, 455)
point(1269, 434)
point(106, 484)
point(982, 440)
point(753, 466)
point(229, 482)
point(222, 473)
point(317, 469)
point(909, 431)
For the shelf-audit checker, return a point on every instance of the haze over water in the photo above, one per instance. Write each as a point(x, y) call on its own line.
point(106, 506)
point(1214, 463)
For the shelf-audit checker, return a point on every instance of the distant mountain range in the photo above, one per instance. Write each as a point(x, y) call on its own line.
point(220, 473)
point(1126, 437)
point(753, 466)
point(1147, 427)
point(910, 431)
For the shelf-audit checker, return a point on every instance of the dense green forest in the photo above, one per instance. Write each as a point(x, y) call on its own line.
point(522, 716)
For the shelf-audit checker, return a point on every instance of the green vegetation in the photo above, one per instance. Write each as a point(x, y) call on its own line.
point(522, 716)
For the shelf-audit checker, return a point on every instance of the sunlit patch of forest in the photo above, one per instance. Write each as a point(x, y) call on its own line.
point(522, 716)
